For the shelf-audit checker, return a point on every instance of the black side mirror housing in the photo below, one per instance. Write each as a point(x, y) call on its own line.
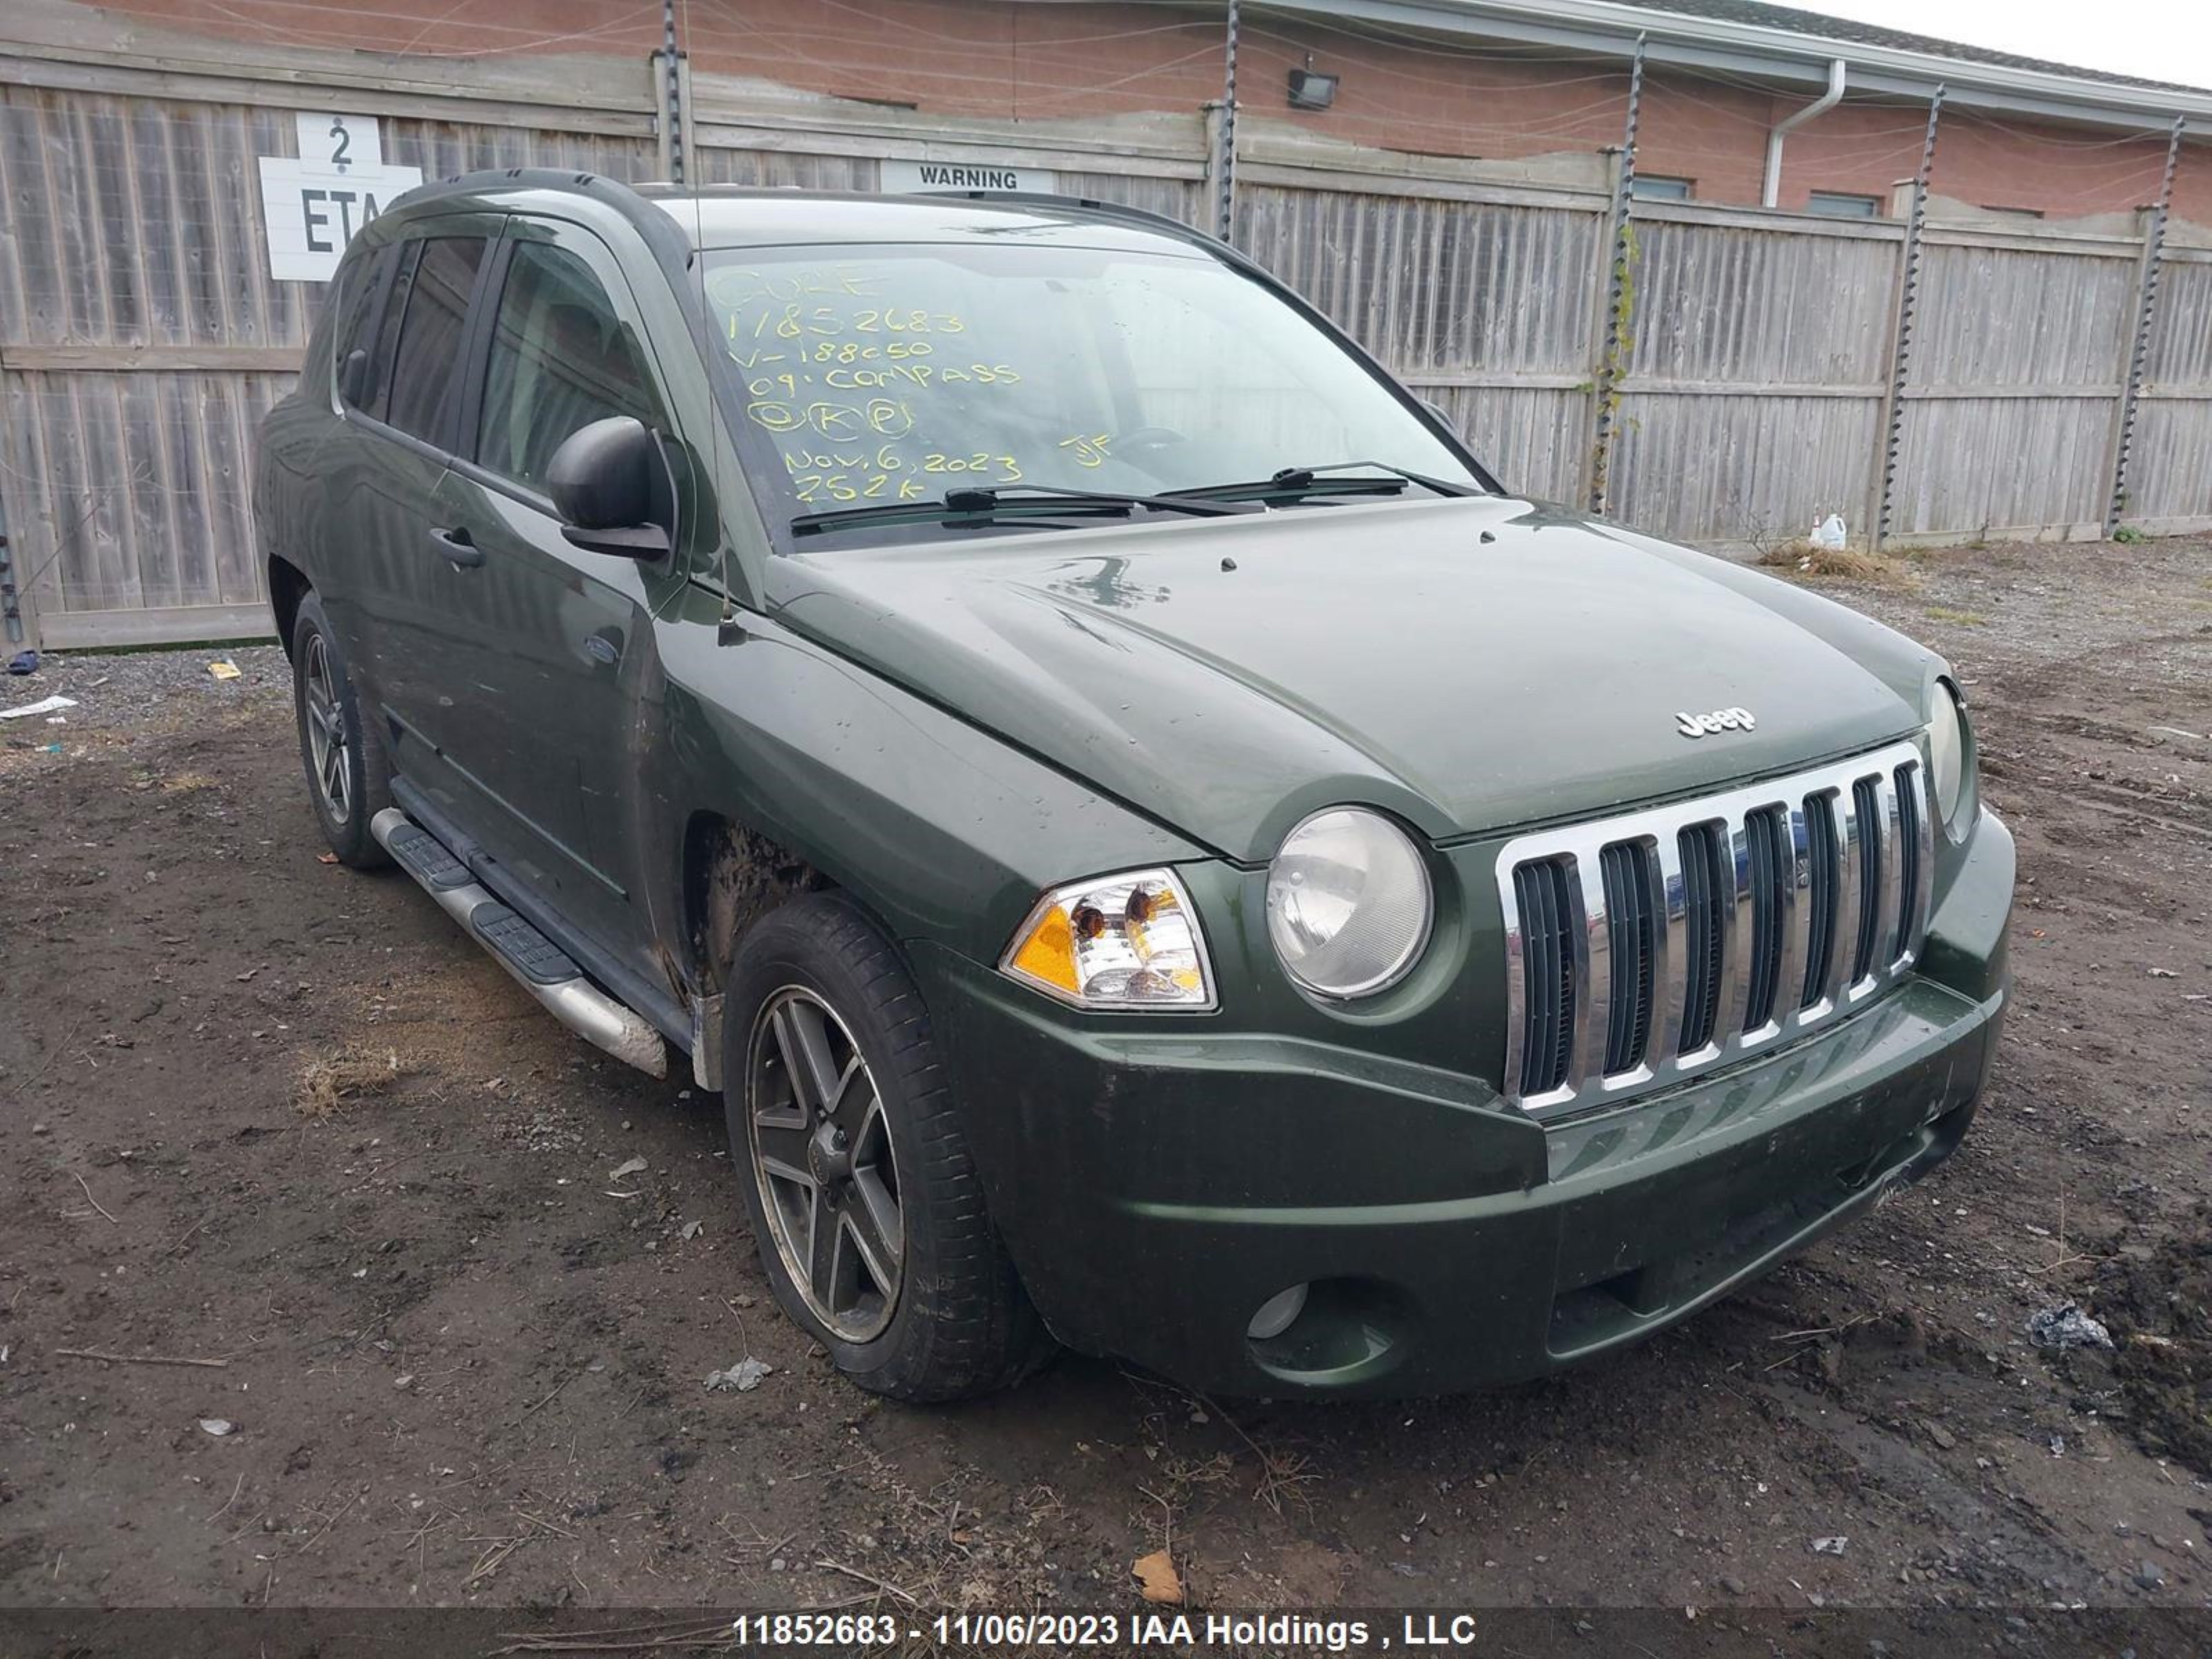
point(608, 482)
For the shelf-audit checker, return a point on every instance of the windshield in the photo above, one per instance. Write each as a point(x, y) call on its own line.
point(878, 375)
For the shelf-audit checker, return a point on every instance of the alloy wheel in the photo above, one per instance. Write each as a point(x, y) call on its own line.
point(329, 743)
point(822, 1154)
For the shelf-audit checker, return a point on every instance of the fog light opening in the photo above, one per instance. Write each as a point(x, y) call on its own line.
point(1277, 1314)
point(1331, 1331)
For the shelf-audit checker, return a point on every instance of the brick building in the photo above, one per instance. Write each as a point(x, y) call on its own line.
point(1504, 80)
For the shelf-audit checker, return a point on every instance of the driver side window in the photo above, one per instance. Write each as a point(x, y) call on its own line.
point(560, 359)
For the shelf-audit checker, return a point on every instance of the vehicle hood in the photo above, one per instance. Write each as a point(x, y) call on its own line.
point(1473, 665)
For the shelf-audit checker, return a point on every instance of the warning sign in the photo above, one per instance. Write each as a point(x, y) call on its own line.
point(917, 177)
point(313, 205)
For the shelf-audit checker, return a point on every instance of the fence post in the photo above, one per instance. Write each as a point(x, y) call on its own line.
point(18, 616)
point(670, 124)
point(11, 612)
point(2123, 431)
point(1612, 342)
point(1225, 180)
point(1908, 297)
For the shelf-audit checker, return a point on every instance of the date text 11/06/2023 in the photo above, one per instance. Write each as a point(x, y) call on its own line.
point(870, 398)
point(1060, 1632)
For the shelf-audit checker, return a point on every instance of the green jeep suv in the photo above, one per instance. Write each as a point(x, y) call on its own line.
point(1157, 847)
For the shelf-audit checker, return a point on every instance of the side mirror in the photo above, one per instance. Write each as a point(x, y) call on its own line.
point(602, 480)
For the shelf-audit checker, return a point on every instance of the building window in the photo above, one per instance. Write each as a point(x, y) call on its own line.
point(1656, 187)
point(1839, 204)
point(2012, 212)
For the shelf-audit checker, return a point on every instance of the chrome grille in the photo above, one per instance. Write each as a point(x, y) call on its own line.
point(1644, 948)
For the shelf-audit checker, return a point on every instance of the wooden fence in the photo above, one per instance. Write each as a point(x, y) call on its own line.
point(141, 336)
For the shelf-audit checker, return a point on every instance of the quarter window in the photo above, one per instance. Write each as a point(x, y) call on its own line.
point(360, 293)
point(435, 307)
point(560, 359)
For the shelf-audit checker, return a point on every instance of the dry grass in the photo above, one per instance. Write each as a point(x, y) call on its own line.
point(1853, 564)
point(328, 1083)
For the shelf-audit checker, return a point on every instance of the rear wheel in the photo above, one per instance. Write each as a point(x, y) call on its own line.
point(864, 1200)
point(349, 779)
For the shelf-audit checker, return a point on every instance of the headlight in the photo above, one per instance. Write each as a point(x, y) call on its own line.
point(1946, 757)
point(1348, 902)
point(1126, 942)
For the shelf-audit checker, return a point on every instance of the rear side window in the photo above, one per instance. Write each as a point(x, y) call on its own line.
point(560, 359)
point(433, 312)
point(360, 296)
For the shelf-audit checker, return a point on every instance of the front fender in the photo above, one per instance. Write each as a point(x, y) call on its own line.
point(946, 833)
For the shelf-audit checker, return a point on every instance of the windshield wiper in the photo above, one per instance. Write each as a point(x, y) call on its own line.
point(1293, 482)
point(980, 504)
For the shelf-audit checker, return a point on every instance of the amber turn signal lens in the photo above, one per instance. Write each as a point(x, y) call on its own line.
point(1126, 942)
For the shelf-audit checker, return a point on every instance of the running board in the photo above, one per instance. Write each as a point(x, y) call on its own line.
point(538, 965)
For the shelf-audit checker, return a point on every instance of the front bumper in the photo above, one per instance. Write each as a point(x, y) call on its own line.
point(1156, 1188)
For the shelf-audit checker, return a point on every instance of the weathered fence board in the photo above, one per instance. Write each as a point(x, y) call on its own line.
point(140, 337)
point(1484, 308)
point(1756, 360)
point(2015, 375)
point(2170, 485)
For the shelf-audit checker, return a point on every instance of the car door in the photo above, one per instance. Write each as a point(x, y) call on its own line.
point(563, 662)
point(401, 405)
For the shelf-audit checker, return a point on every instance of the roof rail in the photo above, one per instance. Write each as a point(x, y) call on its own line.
point(659, 231)
point(613, 191)
point(662, 230)
point(628, 200)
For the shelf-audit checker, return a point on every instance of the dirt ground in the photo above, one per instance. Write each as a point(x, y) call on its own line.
point(262, 1111)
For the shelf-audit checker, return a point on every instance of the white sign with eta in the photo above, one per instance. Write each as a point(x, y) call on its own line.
point(311, 206)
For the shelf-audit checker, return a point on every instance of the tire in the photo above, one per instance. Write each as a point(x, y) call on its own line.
point(818, 978)
point(351, 787)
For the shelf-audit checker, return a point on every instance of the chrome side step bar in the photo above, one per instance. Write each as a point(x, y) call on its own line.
point(537, 964)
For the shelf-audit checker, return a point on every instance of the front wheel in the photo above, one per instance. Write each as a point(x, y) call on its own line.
point(348, 777)
point(864, 1200)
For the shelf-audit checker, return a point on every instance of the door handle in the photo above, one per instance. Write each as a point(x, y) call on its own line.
point(455, 547)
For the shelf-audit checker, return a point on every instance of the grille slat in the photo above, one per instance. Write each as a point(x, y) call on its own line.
point(1653, 945)
point(1850, 890)
point(1547, 959)
point(1895, 908)
point(1821, 857)
point(1916, 837)
point(1866, 804)
point(1538, 943)
point(1631, 914)
point(1763, 836)
point(1593, 918)
point(1704, 894)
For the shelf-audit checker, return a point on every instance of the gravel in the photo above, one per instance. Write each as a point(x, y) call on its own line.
point(130, 691)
